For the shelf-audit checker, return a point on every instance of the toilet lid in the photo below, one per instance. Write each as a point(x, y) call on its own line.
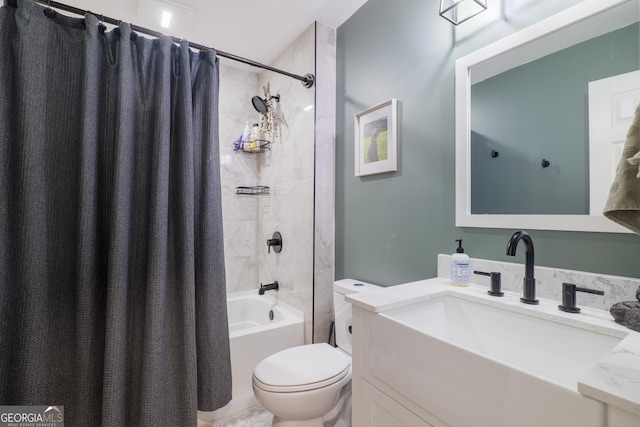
point(302, 368)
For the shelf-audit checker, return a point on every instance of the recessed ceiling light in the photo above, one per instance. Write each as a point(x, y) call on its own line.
point(166, 19)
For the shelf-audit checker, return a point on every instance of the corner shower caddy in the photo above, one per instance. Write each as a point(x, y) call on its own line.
point(262, 145)
point(256, 190)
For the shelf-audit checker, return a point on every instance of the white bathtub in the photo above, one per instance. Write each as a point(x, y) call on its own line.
point(254, 336)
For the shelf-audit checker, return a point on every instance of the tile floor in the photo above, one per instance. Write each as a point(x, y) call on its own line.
point(255, 416)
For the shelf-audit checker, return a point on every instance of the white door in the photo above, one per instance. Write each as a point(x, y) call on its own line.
point(612, 104)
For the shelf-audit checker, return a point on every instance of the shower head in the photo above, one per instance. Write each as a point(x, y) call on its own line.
point(260, 104)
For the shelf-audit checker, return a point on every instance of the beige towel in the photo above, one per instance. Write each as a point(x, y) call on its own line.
point(623, 203)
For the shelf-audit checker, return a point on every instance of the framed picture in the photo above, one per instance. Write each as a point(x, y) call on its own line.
point(376, 139)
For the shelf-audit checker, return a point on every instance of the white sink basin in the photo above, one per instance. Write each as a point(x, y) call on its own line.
point(476, 362)
point(551, 350)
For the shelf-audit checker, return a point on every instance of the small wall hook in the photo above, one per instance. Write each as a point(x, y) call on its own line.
point(494, 154)
point(545, 163)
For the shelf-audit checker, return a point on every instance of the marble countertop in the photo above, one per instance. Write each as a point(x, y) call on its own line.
point(614, 380)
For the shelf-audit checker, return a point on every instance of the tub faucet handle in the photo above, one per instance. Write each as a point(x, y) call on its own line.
point(276, 242)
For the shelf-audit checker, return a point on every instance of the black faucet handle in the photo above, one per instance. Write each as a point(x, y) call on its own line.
point(276, 242)
point(590, 291)
point(496, 286)
point(569, 296)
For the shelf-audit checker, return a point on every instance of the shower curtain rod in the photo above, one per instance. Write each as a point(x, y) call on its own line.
point(307, 80)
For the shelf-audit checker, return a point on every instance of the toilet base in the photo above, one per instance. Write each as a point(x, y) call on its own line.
point(339, 416)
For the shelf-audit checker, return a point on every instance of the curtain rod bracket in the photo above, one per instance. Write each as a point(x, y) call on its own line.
point(308, 80)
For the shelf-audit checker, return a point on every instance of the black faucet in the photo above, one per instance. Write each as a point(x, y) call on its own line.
point(271, 286)
point(529, 293)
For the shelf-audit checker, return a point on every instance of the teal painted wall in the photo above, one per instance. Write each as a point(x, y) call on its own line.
point(390, 227)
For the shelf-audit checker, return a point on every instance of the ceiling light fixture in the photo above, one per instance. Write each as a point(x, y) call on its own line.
point(458, 11)
point(165, 22)
point(178, 5)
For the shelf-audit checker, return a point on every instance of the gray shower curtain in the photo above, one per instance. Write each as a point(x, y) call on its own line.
point(112, 284)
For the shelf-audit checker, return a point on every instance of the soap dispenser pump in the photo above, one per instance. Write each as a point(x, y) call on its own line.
point(460, 267)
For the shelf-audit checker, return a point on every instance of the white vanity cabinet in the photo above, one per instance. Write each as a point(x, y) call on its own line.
point(429, 354)
point(376, 404)
point(380, 410)
point(398, 381)
point(620, 418)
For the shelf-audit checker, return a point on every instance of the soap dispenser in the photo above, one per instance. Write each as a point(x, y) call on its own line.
point(460, 268)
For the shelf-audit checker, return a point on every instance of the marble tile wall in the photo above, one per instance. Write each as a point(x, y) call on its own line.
point(288, 170)
point(240, 213)
point(549, 281)
point(299, 169)
point(325, 180)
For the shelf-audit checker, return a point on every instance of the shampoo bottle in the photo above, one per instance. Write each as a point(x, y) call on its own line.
point(253, 138)
point(460, 267)
point(246, 135)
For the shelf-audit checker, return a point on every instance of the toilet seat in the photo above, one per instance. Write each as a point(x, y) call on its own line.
point(300, 387)
point(302, 368)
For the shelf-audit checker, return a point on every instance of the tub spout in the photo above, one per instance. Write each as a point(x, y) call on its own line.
point(271, 286)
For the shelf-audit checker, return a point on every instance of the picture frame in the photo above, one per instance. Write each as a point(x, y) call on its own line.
point(376, 139)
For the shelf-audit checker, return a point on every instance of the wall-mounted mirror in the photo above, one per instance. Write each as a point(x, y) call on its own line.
point(535, 116)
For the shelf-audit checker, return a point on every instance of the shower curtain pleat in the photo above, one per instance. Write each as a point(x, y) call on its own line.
point(112, 283)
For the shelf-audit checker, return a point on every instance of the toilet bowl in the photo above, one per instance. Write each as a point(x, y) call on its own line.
point(310, 385)
point(302, 384)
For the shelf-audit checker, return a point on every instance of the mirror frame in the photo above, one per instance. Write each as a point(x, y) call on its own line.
point(521, 47)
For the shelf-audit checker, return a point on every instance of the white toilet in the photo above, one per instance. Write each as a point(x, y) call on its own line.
point(310, 385)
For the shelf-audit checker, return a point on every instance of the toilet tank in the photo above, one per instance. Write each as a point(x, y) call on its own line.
point(342, 308)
